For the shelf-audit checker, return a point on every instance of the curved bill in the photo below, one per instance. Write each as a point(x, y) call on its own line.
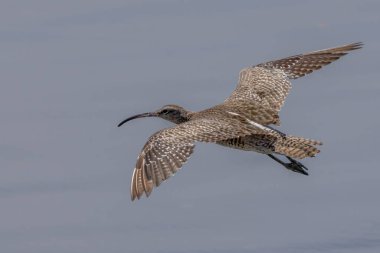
point(142, 115)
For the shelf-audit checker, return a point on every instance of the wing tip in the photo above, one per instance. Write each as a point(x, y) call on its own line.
point(357, 45)
point(136, 191)
point(353, 46)
point(344, 49)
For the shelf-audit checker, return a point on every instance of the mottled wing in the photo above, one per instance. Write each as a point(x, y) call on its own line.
point(268, 83)
point(167, 150)
point(158, 161)
point(299, 65)
point(266, 87)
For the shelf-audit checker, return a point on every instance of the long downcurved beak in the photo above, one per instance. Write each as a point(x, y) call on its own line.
point(142, 115)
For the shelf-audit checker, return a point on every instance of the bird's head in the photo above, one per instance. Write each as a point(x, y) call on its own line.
point(173, 113)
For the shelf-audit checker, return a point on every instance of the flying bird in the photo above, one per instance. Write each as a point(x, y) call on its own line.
point(245, 121)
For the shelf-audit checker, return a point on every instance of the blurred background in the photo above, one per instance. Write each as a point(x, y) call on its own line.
point(71, 70)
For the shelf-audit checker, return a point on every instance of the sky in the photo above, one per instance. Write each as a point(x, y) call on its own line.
point(71, 70)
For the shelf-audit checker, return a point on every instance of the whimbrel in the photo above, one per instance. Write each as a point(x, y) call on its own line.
point(243, 121)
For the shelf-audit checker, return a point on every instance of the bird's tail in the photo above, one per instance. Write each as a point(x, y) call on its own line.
point(297, 147)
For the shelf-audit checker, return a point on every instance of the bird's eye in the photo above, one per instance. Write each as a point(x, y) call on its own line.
point(165, 111)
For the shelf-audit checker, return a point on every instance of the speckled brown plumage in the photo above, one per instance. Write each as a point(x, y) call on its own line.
point(296, 147)
point(241, 121)
point(167, 150)
point(268, 83)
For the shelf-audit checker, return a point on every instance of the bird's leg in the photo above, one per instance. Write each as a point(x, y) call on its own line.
point(297, 163)
point(293, 165)
point(277, 160)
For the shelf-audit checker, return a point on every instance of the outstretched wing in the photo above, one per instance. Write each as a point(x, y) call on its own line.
point(167, 150)
point(299, 65)
point(268, 83)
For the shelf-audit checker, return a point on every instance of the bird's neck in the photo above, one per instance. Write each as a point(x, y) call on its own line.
point(184, 117)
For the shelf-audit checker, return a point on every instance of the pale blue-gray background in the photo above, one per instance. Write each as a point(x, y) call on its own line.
point(71, 70)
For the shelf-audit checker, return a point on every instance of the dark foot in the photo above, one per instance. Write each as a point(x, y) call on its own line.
point(293, 165)
point(296, 166)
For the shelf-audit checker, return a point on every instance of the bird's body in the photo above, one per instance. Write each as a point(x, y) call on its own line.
point(242, 121)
